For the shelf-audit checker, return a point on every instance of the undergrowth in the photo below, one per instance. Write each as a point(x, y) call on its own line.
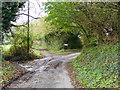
point(19, 53)
point(97, 67)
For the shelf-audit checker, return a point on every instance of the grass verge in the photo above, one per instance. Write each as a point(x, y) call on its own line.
point(68, 51)
point(37, 53)
point(97, 67)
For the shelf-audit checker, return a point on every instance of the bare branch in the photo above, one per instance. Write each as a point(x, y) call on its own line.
point(27, 15)
point(19, 25)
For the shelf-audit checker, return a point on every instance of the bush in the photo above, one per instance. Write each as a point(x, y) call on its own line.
point(19, 53)
point(17, 49)
point(97, 66)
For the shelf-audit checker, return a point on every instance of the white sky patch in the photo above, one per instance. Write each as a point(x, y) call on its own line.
point(63, 0)
point(36, 10)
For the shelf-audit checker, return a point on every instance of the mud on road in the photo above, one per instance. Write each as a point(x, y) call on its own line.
point(49, 72)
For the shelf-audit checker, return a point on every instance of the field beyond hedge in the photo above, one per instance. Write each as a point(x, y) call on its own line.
point(97, 67)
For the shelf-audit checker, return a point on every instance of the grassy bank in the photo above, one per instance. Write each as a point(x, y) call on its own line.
point(97, 67)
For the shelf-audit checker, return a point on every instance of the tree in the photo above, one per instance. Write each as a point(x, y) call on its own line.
point(9, 10)
point(85, 18)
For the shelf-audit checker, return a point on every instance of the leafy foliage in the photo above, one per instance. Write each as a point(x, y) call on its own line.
point(18, 48)
point(86, 19)
point(9, 10)
point(56, 40)
point(98, 66)
point(47, 37)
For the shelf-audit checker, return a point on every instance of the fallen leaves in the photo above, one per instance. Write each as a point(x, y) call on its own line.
point(10, 71)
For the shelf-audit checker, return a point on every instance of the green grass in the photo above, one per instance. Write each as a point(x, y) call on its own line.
point(37, 52)
point(36, 46)
point(97, 66)
point(47, 51)
point(65, 51)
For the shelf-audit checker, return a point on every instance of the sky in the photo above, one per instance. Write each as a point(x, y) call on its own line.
point(36, 10)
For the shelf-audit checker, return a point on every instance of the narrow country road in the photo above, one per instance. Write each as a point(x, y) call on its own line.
point(48, 72)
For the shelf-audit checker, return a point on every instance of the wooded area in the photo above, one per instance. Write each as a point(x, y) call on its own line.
point(90, 27)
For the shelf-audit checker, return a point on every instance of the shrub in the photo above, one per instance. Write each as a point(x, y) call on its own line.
point(19, 53)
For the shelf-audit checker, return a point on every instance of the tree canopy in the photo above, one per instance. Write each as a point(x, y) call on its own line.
point(85, 18)
point(9, 10)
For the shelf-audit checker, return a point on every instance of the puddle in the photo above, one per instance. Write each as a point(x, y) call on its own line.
point(38, 66)
point(50, 72)
point(41, 68)
point(71, 55)
point(27, 67)
point(41, 63)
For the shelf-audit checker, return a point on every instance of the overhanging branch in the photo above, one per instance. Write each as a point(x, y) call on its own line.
point(19, 25)
point(28, 15)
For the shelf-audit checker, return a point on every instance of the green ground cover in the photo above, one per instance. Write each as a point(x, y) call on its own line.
point(97, 67)
point(67, 51)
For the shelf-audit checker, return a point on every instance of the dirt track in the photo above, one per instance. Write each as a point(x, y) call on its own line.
point(48, 72)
